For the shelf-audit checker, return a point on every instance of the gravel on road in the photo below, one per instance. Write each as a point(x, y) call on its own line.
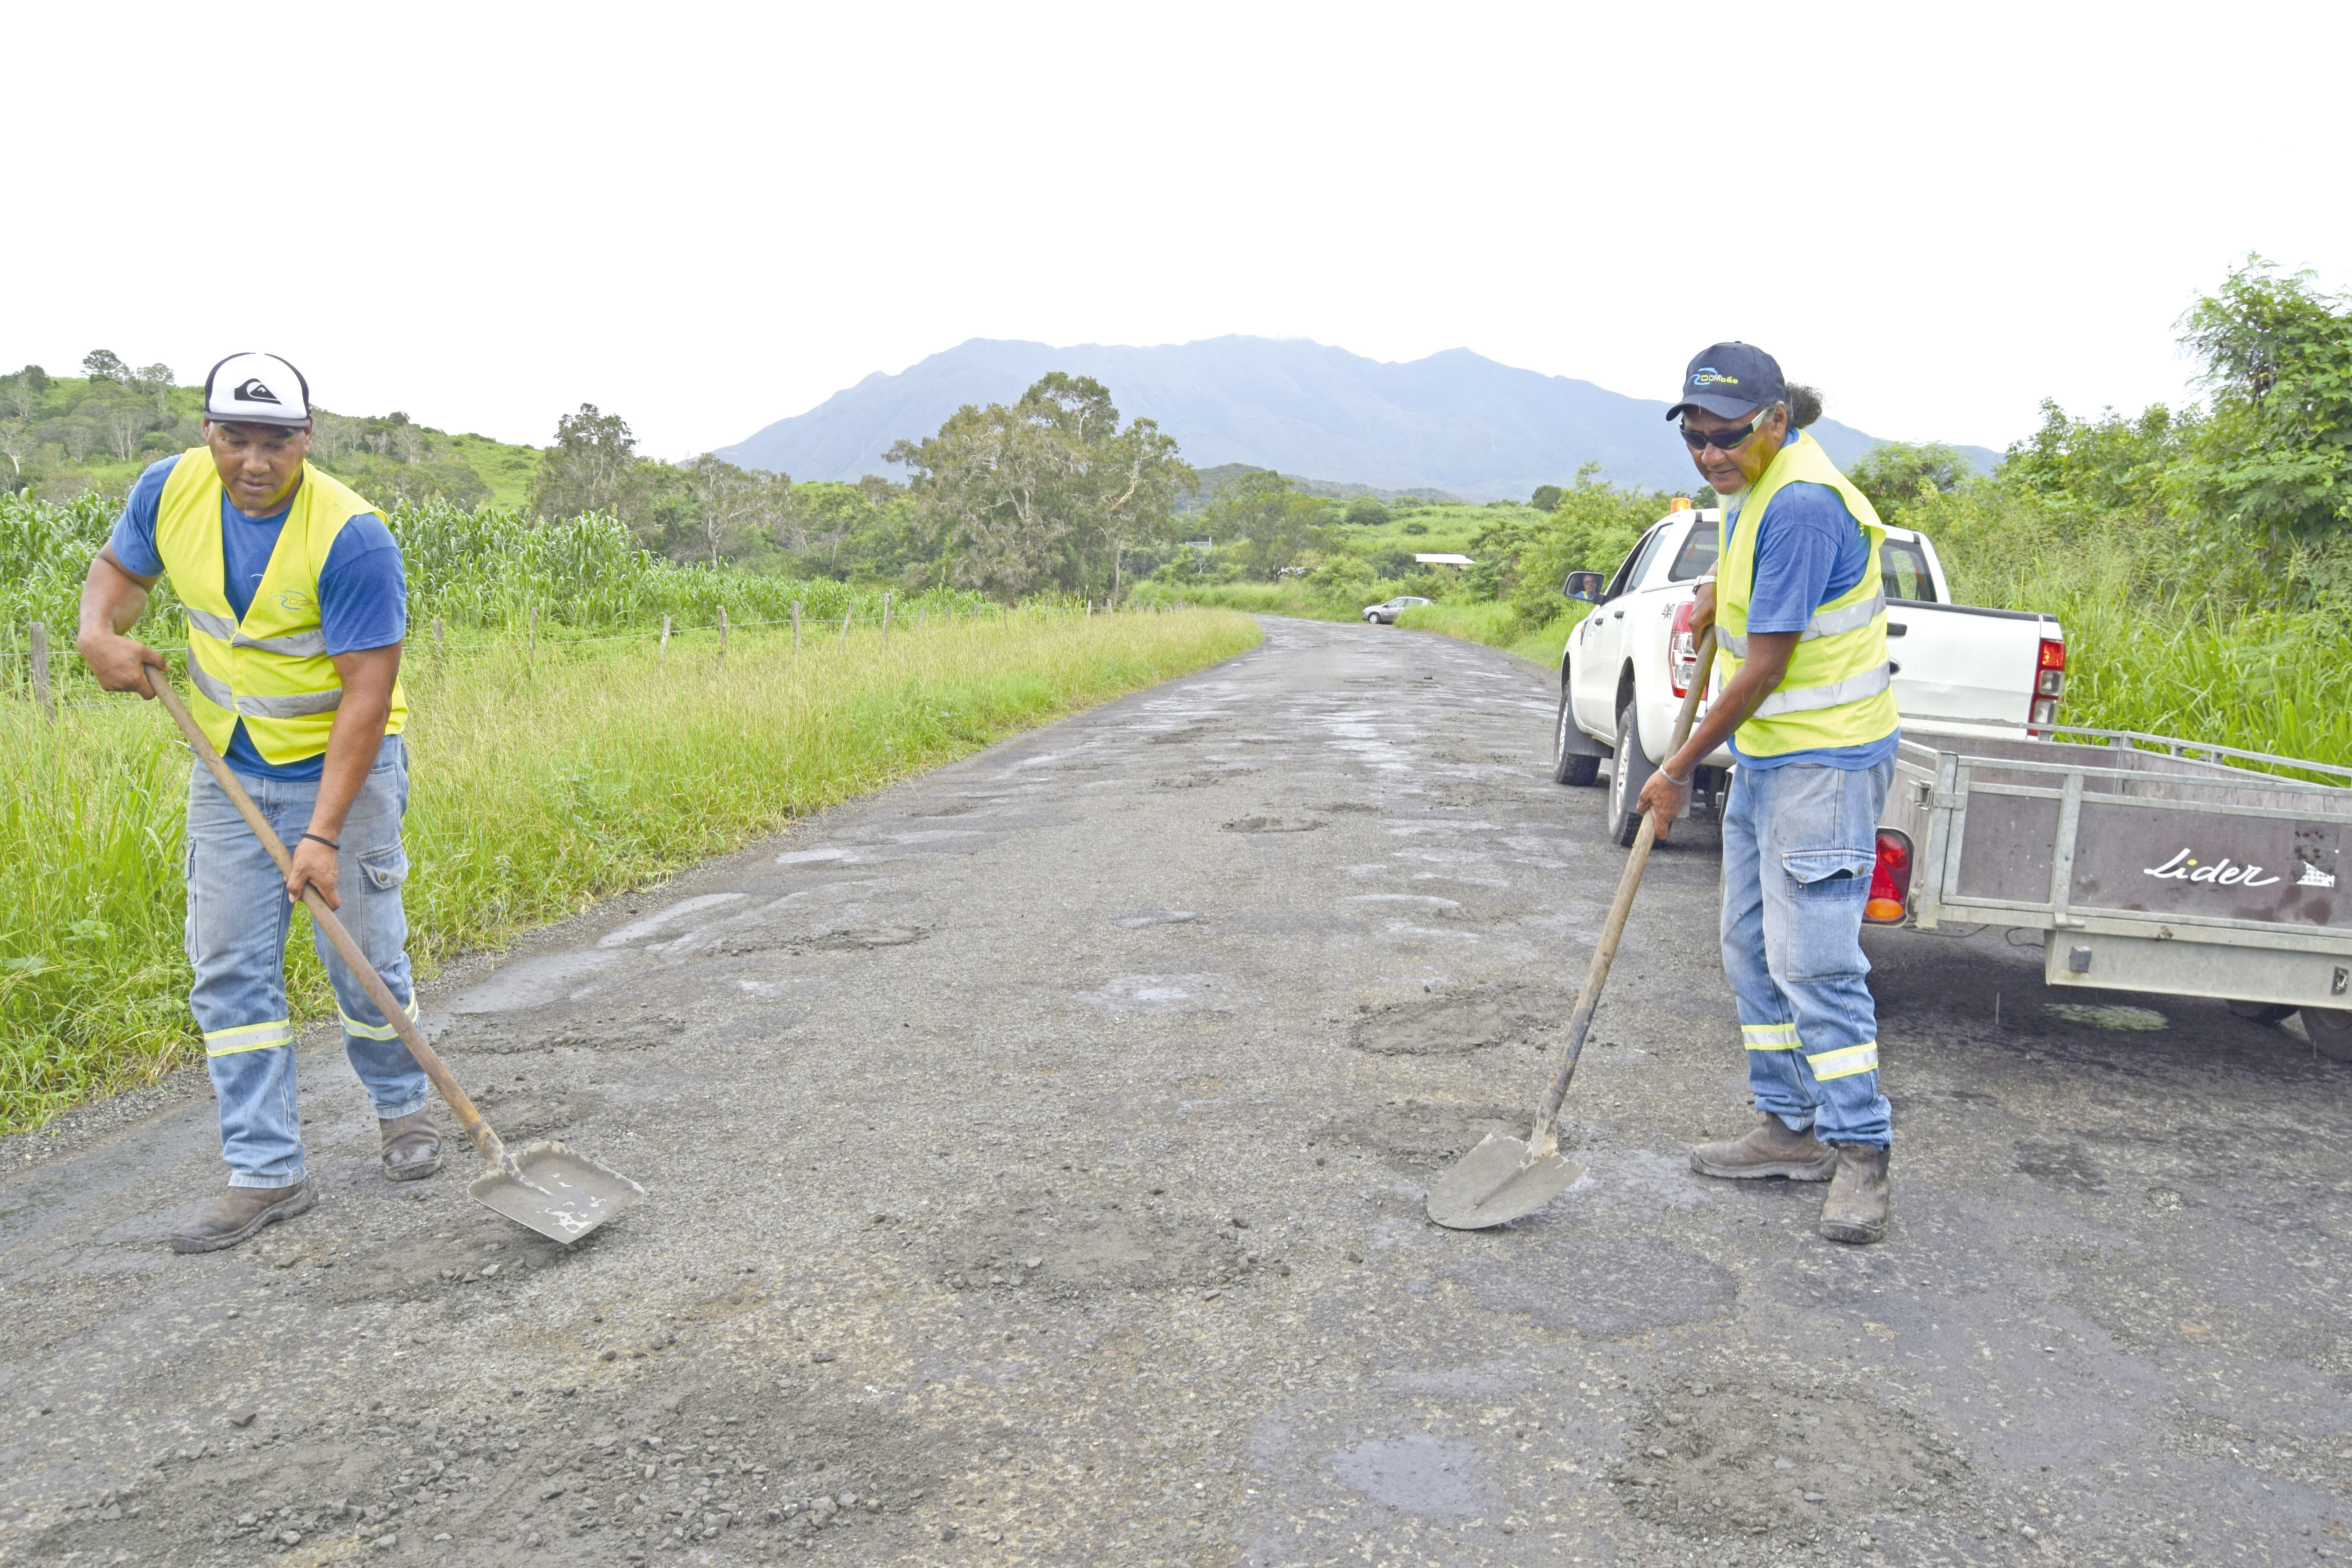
point(1036, 1153)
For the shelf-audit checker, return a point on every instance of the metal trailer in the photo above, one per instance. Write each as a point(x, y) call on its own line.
point(2153, 864)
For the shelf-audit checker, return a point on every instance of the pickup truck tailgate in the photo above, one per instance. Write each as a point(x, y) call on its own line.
point(1963, 665)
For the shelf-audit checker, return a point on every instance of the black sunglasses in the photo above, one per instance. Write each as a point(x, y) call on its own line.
point(1722, 441)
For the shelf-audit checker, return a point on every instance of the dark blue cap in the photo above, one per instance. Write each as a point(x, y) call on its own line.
point(1729, 379)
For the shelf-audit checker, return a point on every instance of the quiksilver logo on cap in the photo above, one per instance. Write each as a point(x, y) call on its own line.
point(252, 391)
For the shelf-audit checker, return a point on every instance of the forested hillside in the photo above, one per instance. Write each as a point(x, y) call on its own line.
point(61, 436)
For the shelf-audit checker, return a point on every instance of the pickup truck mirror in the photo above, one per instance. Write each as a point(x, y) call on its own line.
point(1584, 586)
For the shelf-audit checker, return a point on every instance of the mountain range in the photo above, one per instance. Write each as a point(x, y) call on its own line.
point(1456, 420)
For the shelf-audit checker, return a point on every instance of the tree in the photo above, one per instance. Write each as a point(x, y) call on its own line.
point(591, 467)
point(124, 419)
point(105, 364)
point(155, 381)
point(23, 390)
point(1546, 498)
point(1046, 490)
point(1276, 524)
point(1365, 511)
point(2273, 459)
point(733, 506)
point(16, 445)
point(1891, 473)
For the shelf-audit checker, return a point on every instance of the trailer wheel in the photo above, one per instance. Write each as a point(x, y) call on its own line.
point(2261, 1012)
point(2330, 1029)
point(1570, 767)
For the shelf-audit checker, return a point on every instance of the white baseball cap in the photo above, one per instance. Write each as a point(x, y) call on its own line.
point(256, 389)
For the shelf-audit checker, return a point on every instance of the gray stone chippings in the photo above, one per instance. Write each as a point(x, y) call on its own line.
point(1036, 1152)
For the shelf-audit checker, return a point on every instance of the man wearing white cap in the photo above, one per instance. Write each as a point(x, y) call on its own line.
point(297, 603)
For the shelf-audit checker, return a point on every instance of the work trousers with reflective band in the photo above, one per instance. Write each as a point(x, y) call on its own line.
point(1798, 845)
point(238, 919)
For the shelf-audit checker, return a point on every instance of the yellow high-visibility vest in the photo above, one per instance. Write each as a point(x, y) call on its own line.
point(271, 668)
point(1838, 688)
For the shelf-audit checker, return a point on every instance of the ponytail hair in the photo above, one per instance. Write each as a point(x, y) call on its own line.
point(1804, 404)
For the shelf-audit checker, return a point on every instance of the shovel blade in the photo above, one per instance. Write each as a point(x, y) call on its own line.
point(555, 1190)
point(1495, 1184)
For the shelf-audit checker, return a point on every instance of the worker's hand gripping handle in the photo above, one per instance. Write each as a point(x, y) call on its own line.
point(394, 1013)
point(1542, 1142)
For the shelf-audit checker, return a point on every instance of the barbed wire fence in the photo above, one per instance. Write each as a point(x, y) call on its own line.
point(33, 669)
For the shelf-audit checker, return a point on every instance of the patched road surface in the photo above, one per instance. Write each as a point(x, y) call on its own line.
point(1036, 1153)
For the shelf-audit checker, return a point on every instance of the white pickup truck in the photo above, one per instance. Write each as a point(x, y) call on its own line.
point(1958, 669)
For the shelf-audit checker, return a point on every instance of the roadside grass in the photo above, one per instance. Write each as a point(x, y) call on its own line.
point(540, 785)
point(1495, 624)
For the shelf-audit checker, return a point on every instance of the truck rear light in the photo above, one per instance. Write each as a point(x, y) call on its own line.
point(1890, 881)
point(1682, 651)
point(2049, 683)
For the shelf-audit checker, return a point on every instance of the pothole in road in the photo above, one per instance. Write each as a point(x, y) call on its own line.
point(1450, 1025)
point(1072, 1247)
point(1710, 1459)
point(1273, 824)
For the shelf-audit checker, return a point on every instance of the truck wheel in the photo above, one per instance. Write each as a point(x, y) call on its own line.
point(2261, 1012)
point(1625, 822)
point(2330, 1029)
point(1570, 767)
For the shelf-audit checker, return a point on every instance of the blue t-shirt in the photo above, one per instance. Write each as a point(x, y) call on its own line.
point(362, 588)
point(1812, 550)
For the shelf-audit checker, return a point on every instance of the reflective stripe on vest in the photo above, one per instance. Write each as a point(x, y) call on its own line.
point(1828, 623)
point(301, 644)
point(1807, 700)
point(269, 670)
point(1837, 689)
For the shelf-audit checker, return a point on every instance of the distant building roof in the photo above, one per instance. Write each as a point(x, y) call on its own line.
point(1444, 560)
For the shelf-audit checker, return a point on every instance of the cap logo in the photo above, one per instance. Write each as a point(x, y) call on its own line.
point(252, 391)
point(1709, 374)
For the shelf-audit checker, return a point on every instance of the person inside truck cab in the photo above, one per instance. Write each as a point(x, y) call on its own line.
point(1800, 631)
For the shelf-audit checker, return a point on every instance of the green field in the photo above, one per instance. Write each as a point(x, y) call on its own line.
point(541, 785)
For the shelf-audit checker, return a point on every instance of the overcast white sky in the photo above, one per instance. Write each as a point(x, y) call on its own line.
point(708, 217)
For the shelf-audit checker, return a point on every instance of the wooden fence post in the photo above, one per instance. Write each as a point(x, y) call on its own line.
point(845, 625)
point(886, 615)
point(664, 650)
point(437, 633)
point(796, 625)
point(722, 634)
point(41, 692)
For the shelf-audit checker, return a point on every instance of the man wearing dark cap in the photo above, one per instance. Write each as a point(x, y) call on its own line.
point(297, 603)
point(1805, 701)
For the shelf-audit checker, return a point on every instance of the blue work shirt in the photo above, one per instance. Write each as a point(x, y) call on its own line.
point(362, 588)
point(1812, 550)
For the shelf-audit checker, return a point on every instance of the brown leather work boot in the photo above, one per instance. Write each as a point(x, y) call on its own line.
point(230, 1219)
point(1859, 1199)
point(1771, 1151)
point(412, 1145)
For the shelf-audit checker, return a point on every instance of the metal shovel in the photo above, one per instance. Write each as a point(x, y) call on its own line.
point(1502, 1178)
point(556, 1191)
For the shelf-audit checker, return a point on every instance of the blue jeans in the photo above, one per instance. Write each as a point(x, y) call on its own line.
point(1798, 843)
point(238, 918)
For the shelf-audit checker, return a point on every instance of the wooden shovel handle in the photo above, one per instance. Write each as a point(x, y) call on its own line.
point(410, 1034)
point(1542, 1142)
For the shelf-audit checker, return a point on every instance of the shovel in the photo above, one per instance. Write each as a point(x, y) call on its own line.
point(558, 1192)
point(1502, 1178)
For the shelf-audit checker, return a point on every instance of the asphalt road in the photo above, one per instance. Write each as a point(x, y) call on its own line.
point(1037, 1152)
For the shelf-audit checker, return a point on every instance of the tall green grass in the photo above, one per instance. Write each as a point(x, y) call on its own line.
point(541, 783)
